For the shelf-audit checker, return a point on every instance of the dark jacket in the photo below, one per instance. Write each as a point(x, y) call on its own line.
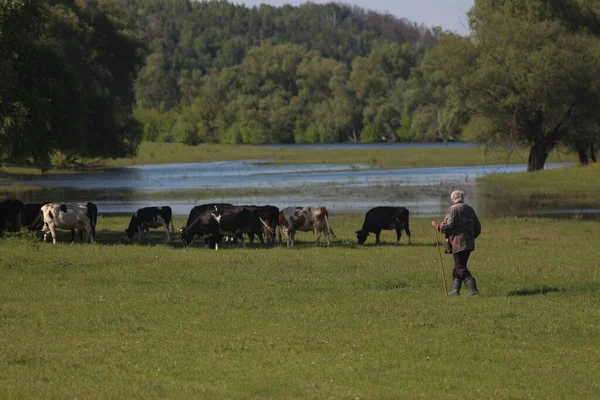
point(461, 227)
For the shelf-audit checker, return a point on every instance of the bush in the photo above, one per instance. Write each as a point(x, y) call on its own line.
point(369, 134)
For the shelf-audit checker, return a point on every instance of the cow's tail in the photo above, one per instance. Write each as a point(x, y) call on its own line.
point(329, 228)
point(172, 226)
point(92, 213)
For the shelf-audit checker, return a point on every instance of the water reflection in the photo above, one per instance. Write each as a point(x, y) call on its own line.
point(343, 188)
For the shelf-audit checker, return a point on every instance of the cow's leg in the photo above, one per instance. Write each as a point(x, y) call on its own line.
point(52, 230)
point(291, 235)
point(166, 226)
point(46, 230)
point(377, 233)
point(398, 234)
point(88, 230)
point(318, 232)
point(260, 237)
point(327, 236)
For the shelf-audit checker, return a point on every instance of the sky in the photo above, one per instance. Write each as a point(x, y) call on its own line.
point(449, 14)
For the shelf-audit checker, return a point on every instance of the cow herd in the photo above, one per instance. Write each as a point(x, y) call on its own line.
point(212, 222)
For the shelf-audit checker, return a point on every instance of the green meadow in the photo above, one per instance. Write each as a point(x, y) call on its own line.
point(118, 320)
point(168, 153)
point(562, 187)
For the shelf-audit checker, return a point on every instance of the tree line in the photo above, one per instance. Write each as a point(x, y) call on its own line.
point(66, 73)
point(93, 78)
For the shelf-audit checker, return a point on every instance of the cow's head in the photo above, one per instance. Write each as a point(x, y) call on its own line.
point(362, 236)
point(132, 228)
point(186, 237)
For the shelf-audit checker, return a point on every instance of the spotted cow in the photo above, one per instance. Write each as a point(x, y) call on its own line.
point(304, 219)
point(70, 216)
point(150, 217)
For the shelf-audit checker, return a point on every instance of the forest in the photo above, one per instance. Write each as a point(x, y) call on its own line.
point(94, 78)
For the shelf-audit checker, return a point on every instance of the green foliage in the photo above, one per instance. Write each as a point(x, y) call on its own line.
point(156, 125)
point(67, 71)
point(529, 72)
point(369, 134)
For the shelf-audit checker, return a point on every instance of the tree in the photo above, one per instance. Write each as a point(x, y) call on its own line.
point(522, 74)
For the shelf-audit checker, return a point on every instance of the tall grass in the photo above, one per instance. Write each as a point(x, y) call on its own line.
point(112, 320)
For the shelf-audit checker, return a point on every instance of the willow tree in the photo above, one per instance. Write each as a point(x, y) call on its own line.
point(523, 74)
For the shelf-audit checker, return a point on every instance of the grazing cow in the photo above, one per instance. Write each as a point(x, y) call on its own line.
point(199, 222)
point(305, 219)
point(10, 211)
point(80, 216)
point(214, 221)
point(234, 221)
point(384, 218)
point(150, 217)
point(31, 217)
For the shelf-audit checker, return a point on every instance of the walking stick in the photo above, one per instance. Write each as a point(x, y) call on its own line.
point(437, 241)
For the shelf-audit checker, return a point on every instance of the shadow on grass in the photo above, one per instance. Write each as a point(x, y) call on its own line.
point(535, 291)
point(394, 244)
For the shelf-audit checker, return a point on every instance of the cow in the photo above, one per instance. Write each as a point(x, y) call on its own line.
point(198, 223)
point(80, 216)
point(305, 219)
point(384, 218)
point(10, 211)
point(150, 217)
point(234, 221)
point(215, 221)
point(31, 217)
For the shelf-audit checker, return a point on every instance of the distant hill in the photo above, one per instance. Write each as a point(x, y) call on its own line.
point(215, 34)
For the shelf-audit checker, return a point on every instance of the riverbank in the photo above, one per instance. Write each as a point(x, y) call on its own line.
point(573, 187)
point(166, 153)
point(410, 157)
point(113, 320)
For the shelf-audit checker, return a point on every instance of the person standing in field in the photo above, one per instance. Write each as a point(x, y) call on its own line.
point(461, 227)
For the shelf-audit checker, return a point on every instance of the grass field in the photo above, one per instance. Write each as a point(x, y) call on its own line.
point(161, 153)
point(167, 153)
point(111, 320)
point(564, 187)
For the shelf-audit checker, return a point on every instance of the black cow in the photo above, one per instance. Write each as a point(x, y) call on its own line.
point(31, 217)
point(269, 219)
point(384, 218)
point(235, 220)
point(10, 211)
point(197, 223)
point(150, 217)
point(217, 221)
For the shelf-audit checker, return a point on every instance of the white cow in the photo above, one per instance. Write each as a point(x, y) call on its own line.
point(69, 216)
point(305, 219)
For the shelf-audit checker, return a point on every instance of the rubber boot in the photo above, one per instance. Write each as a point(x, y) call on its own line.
point(456, 283)
point(472, 286)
